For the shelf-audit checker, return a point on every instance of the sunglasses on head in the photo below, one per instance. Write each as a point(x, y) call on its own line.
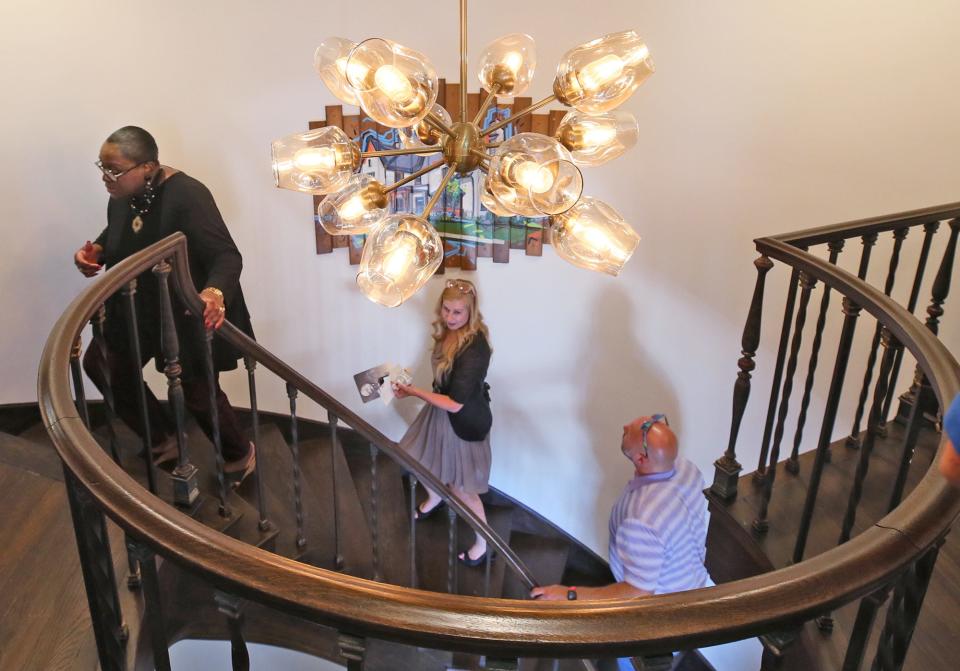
point(645, 429)
point(462, 286)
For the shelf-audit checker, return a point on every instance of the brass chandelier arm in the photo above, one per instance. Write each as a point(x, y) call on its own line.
point(401, 152)
point(519, 115)
point(436, 122)
point(439, 192)
point(412, 176)
point(463, 60)
point(492, 145)
point(491, 97)
point(479, 153)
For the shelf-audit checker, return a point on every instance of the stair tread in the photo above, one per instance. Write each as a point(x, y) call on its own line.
point(28, 455)
point(546, 557)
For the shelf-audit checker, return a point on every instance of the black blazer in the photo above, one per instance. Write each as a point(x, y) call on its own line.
point(182, 204)
point(466, 383)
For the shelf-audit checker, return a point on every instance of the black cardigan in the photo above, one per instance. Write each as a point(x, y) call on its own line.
point(465, 383)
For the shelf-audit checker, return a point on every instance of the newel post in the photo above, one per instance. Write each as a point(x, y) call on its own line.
point(727, 468)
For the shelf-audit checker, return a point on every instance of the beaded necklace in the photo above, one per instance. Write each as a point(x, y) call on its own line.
point(141, 205)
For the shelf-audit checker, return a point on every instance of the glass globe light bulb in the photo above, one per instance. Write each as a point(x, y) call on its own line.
point(319, 161)
point(355, 209)
point(507, 64)
point(594, 236)
point(423, 134)
point(395, 86)
point(330, 62)
point(598, 76)
point(594, 139)
point(401, 253)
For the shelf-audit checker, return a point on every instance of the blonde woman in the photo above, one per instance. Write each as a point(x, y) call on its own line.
point(451, 435)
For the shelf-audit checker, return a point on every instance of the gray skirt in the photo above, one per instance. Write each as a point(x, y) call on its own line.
point(456, 462)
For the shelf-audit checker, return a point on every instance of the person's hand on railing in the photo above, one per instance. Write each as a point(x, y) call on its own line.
point(214, 311)
point(87, 259)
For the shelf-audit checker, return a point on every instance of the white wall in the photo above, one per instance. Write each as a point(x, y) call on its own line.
point(762, 118)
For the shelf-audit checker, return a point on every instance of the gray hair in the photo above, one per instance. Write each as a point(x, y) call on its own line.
point(135, 143)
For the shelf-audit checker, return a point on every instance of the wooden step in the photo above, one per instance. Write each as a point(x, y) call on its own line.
point(545, 557)
point(28, 455)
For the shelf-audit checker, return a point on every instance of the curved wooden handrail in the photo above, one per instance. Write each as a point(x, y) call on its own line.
point(729, 611)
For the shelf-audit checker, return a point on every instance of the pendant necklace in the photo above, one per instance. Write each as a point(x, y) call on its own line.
point(141, 205)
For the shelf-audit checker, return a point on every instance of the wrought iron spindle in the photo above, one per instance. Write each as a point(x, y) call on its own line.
point(727, 468)
point(929, 229)
point(451, 550)
point(352, 649)
point(79, 395)
point(129, 293)
point(334, 447)
point(109, 407)
point(486, 574)
point(807, 282)
point(851, 312)
point(232, 607)
point(412, 484)
point(853, 441)
point(939, 293)
point(96, 564)
point(295, 448)
point(890, 345)
point(374, 510)
point(184, 476)
point(923, 397)
point(866, 616)
point(251, 367)
point(793, 463)
point(215, 418)
point(152, 604)
point(903, 612)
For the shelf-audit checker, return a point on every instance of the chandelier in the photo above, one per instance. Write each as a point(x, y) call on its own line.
point(528, 174)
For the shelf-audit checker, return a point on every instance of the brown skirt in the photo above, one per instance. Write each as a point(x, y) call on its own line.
point(456, 462)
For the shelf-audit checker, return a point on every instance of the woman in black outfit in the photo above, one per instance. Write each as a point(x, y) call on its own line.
point(149, 201)
point(451, 435)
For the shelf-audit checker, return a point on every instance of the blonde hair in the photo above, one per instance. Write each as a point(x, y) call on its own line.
point(445, 351)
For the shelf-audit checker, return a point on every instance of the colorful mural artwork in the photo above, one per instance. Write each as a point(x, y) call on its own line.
point(469, 230)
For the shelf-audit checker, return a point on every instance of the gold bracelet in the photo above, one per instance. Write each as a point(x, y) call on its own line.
point(215, 291)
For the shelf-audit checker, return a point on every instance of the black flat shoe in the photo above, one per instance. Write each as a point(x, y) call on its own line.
point(426, 514)
point(464, 558)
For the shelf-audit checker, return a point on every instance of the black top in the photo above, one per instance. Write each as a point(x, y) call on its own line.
point(181, 204)
point(466, 383)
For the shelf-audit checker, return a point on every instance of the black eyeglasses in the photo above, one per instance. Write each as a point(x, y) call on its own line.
point(114, 175)
point(645, 429)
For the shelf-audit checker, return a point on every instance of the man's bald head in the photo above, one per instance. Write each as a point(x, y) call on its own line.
point(661, 452)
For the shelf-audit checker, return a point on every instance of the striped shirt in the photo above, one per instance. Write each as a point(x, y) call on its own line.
point(658, 531)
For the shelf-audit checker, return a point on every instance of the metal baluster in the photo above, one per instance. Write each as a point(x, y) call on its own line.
point(904, 611)
point(793, 285)
point(761, 525)
point(251, 366)
point(109, 407)
point(215, 417)
point(776, 645)
point(941, 288)
point(184, 476)
point(793, 463)
point(451, 550)
point(295, 448)
point(923, 396)
point(152, 605)
point(928, 231)
point(77, 375)
point(374, 509)
point(129, 293)
point(866, 616)
point(96, 564)
point(890, 346)
point(412, 483)
point(232, 607)
point(338, 550)
point(486, 574)
point(851, 312)
point(727, 468)
point(352, 649)
point(853, 441)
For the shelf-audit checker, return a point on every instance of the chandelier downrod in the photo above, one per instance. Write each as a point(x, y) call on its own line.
point(463, 60)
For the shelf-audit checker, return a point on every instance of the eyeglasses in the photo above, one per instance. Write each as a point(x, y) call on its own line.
point(462, 286)
point(645, 429)
point(114, 175)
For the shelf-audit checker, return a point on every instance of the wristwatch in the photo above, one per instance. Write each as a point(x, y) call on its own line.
point(571, 594)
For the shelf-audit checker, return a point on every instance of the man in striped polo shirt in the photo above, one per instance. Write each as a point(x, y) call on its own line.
point(658, 526)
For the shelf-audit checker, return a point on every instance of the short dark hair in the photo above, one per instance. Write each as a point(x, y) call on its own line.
point(135, 143)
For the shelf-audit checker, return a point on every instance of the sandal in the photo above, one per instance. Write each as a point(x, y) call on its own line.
point(465, 559)
point(421, 514)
